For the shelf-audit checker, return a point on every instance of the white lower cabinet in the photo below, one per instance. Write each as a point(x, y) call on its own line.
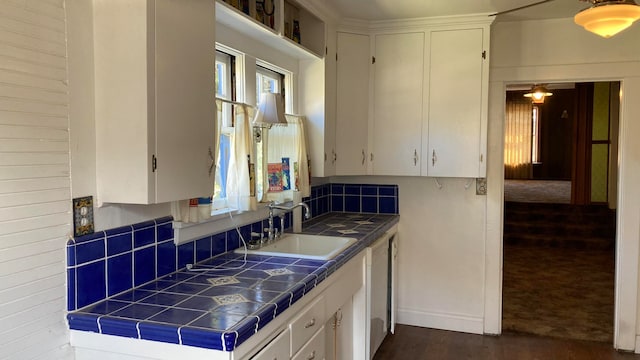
point(307, 324)
point(278, 349)
point(313, 349)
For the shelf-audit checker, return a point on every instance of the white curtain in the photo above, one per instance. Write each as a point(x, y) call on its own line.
point(287, 142)
point(239, 181)
point(517, 141)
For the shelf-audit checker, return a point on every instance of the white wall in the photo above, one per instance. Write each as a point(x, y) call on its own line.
point(34, 180)
point(441, 251)
point(559, 51)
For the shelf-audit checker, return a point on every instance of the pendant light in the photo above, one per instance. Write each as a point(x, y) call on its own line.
point(608, 17)
point(537, 94)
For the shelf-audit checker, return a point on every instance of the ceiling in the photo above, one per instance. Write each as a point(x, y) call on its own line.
point(403, 9)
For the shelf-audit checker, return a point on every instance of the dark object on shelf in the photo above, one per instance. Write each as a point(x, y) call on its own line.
point(244, 6)
point(296, 31)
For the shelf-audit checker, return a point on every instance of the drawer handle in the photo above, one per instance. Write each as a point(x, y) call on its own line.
point(312, 355)
point(310, 323)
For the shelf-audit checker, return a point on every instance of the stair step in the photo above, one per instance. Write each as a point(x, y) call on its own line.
point(559, 225)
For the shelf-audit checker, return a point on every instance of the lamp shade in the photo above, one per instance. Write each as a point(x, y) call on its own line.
point(608, 18)
point(537, 94)
point(270, 111)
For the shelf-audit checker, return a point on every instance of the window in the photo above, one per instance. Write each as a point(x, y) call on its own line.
point(535, 135)
point(225, 75)
point(268, 81)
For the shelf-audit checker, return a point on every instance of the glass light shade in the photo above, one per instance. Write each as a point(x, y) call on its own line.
point(270, 111)
point(537, 94)
point(606, 19)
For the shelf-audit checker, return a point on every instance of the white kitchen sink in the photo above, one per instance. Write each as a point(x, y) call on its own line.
point(306, 246)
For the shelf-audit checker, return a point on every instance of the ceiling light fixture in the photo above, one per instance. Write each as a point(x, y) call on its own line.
point(608, 17)
point(537, 94)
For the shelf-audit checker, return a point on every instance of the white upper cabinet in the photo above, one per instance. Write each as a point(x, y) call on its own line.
point(457, 104)
point(398, 103)
point(354, 63)
point(427, 104)
point(317, 102)
point(154, 79)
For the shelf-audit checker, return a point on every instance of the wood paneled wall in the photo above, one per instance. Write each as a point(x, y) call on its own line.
point(34, 180)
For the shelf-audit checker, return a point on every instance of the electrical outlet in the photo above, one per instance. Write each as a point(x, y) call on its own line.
point(83, 216)
point(481, 186)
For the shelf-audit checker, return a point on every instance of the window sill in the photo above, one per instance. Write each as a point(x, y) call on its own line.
point(221, 220)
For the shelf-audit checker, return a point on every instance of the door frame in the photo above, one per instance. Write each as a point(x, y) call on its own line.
point(627, 229)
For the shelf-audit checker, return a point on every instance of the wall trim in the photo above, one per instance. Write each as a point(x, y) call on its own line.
point(627, 231)
point(443, 321)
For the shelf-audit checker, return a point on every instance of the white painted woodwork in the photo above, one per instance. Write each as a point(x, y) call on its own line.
point(575, 56)
point(35, 196)
point(352, 114)
point(457, 110)
point(398, 103)
point(313, 349)
point(317, 101)
point(312, 39)
point(307, 323)
point(154, 84)
point(278, 349)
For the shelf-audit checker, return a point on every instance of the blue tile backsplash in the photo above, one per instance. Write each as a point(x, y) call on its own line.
point(110, 263)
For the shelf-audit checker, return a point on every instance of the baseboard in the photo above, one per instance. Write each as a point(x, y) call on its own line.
point(442, 321)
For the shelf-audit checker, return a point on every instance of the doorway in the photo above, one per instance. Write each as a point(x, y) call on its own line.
point(559, 212)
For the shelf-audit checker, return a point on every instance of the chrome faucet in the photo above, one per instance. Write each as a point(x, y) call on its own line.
point(273, 233)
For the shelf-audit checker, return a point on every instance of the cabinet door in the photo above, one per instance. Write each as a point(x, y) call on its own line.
point(185, 110)
point(277, 349)
point(456, 93)
point(354, 59)
point(154, 83)
point(398, 103)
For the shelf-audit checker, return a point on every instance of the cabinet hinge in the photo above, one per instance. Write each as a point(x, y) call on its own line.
point(373, 59)
point(154, 163)
point(336, 56)
point(326, 50)
point(484, 54)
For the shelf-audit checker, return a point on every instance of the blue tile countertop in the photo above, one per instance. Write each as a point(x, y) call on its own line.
point(221, 308)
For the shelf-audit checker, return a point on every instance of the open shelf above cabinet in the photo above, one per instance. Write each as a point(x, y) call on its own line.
point(291, 29)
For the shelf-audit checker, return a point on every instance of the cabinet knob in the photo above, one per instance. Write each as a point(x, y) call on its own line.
point(310, 323)
point(363, 157)
point(434, 158)
point(312, 355)
point(415, 157)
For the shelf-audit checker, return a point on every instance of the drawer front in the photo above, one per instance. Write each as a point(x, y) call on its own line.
point(314, 349)
point(277, 349)
point(304, 326)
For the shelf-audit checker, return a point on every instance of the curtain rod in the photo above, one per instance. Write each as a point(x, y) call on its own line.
point(251, 106)
point(234, 102)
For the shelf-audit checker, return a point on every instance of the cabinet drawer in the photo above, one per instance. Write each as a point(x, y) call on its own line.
point(314, 349)
point(307, 324)
point(277, 349)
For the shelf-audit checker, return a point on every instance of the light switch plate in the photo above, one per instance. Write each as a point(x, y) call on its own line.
point(83, 216)
point(481, 186)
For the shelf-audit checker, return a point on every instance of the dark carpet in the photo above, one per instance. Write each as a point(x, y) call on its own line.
point(558, 275)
